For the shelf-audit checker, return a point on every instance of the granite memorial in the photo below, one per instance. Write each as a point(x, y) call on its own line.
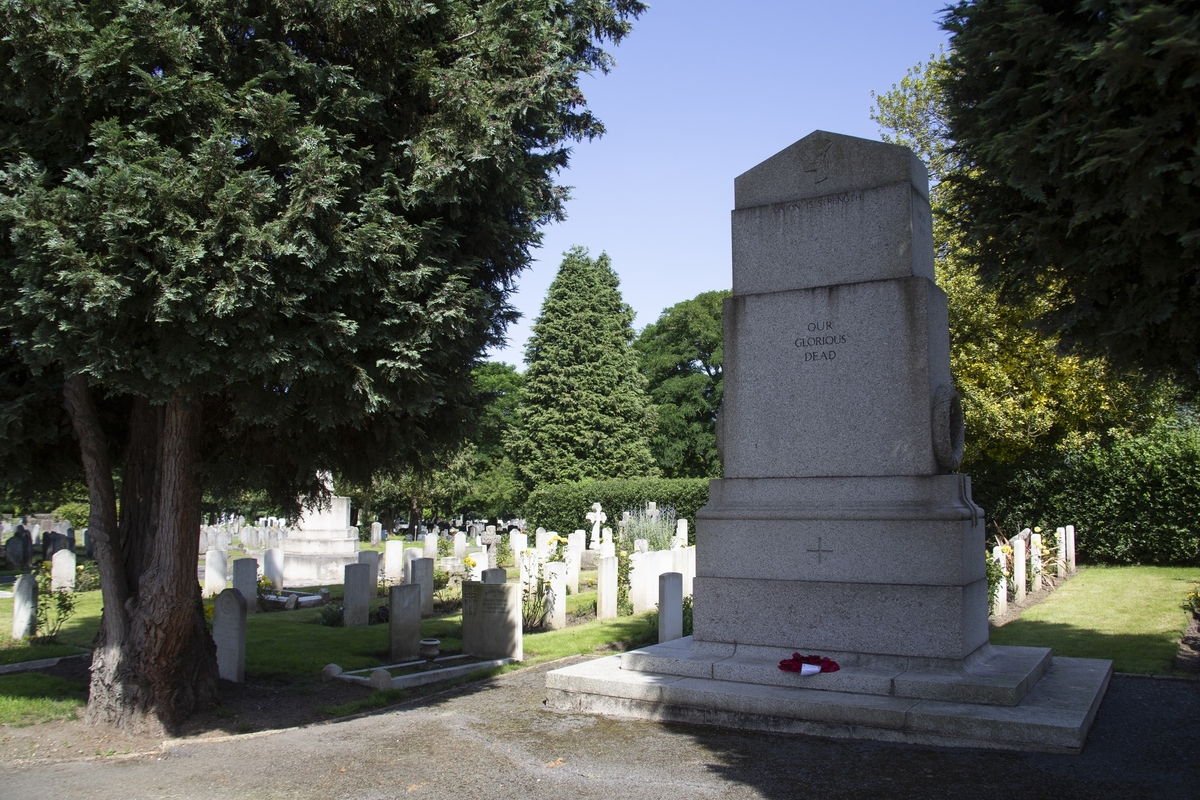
point(840, 526)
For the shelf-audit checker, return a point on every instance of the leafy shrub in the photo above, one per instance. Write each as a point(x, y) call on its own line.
point(624, 567)
point(445, 547)
point(332, 616)
point(54, 608)
point(87, 577)
point(995, 574)
point(687, 615)
point(74, 513)
point(1192, 601)
point(504, 553)
point(447, 590)
point(1132, 500)
point(562, 507)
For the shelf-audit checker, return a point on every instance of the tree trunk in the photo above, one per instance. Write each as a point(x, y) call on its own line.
point(155, 662)
point(414, 517)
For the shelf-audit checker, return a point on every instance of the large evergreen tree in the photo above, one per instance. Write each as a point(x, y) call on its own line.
point(246, 242)
point(1021, 393)
point(681, 356)
point(1078, 121)
point(584, 411)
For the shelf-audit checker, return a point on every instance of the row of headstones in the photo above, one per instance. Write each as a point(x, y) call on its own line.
point(35, 527)
point(62, 578)
point(1032, 581)
point(254, 538)
point(231, 607)
point(215, 538)
point(18, 550)
point(492, 614)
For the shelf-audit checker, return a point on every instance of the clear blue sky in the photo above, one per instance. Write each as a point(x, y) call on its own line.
point(702, 91)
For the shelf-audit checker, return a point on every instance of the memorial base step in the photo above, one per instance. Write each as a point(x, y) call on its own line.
point(1054, 712)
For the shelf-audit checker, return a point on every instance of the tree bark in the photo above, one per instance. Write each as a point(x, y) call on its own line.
point(155, 662)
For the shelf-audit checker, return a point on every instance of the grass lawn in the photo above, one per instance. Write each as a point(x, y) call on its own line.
point(75, 635)
point(32, 697)
point(1132, 615)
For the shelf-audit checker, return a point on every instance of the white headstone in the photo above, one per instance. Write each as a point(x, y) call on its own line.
point(393, 561)
point(1070, 539)
point(245, 580)
point(376, 532)
point(684, 562)
point(681, 533)
point(541, 541)
point(1000, 602)
point(530, 567)
point(215, 577)
point(1019, 562)
point(411, 554)
point(371, 558)
point(431, 541)
point(62, 571)
point(597, 517)
point(273, 566)
point(556, 595)
point(404, 621)
point(572, 556)
point(1035, 562)
point(356, 595)
point(606, 589)
point(24, 607)
point(518, 543)
point(578, 540)
point(670, 606)
point(422, 575)
point(229, 634)
point(1060, 552)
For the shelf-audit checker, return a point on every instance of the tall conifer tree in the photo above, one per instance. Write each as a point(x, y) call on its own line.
point(585, 412)
point(246, 242)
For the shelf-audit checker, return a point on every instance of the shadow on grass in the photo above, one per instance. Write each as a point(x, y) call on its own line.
point(1143, 653)
point(31, 697)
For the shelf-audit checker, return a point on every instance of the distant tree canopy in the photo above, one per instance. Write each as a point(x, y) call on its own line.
point(497, 490)
point(584, 412)
point(681, 356)
point(247, 242)
point(1075, 124)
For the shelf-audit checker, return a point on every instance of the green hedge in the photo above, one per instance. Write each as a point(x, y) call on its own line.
point(1134, 500)
point(562, 507)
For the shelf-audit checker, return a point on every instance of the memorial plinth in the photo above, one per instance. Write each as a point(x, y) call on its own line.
point(841, 526)
point(319, 547)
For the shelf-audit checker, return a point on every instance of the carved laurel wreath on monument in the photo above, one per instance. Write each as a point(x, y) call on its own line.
point(948, 431)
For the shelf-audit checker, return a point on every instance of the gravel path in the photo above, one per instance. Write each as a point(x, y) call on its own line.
point(495, 739)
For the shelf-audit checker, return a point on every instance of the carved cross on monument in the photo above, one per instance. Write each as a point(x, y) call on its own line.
point(818, 550)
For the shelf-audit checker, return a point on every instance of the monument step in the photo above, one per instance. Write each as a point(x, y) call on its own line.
point(992, 676)
point(1054, 716)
